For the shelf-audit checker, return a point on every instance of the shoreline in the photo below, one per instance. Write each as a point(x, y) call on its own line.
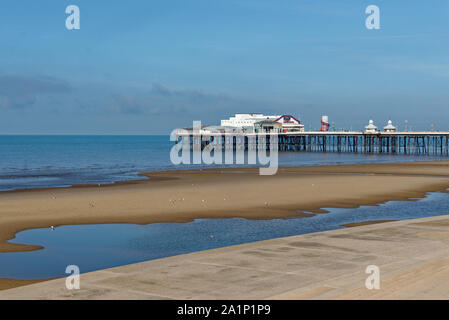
point(149, 174)
point(411, 254)
point(227, 193)
point(9, 283)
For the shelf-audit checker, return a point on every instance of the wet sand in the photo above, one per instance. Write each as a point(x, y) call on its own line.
point(364, 223)
point(12, 283)
point(181, 196)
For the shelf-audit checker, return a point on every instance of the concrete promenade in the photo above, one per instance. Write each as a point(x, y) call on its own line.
point(413, 257)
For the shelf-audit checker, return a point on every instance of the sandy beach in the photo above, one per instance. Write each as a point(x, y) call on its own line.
point(181, 196)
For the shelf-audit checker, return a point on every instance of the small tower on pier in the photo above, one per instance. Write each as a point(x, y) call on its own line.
point(390, 127)
point(371, 128)
point(324, 123)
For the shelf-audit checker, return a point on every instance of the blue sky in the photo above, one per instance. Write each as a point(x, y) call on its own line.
point(147, 67)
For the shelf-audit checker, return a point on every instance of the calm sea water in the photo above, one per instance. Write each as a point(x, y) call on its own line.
point(57, 161)
point(95, 247)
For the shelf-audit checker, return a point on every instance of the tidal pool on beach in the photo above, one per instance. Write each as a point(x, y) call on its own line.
point(94, 247)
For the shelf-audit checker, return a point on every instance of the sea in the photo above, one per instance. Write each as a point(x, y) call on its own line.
point(62, 161)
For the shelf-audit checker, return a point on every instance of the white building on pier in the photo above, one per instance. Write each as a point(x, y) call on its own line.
point(264, 123)
point(242, 120)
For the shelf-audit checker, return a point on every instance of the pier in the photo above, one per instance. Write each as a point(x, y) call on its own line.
point(406, 142)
